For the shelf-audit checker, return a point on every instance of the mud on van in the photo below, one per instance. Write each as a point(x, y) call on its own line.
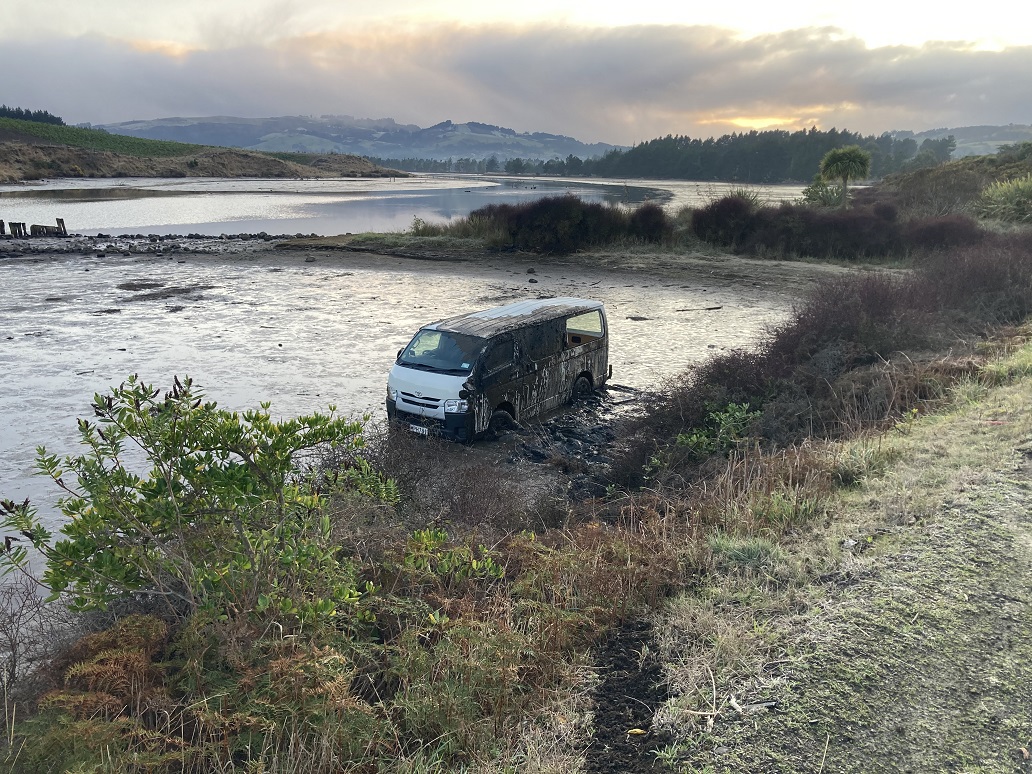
point(459, 375)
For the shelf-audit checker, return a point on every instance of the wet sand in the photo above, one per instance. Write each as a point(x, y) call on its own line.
point(250, 322)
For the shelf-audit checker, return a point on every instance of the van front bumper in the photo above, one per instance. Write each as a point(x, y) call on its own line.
point(455, 427)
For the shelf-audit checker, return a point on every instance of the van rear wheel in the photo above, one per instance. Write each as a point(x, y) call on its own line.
point(582, 388)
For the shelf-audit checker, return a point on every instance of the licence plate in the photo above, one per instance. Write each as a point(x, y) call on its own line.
point(419, 429)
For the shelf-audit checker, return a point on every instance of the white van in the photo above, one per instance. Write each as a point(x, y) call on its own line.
point(458, 375)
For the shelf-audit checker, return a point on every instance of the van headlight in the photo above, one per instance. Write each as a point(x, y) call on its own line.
point(456, 406)
point(392, 394)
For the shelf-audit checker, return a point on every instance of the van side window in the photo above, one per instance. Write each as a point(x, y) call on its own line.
point(499, 355)
point(582, 328)
point(542, 341)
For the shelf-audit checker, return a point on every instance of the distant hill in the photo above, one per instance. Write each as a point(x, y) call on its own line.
point(30, 151)
point(381, 138)
point(976, 140)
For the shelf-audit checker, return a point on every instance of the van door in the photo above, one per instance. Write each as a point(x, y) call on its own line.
point(543, 346)
point(587, 348)
point(499, 381)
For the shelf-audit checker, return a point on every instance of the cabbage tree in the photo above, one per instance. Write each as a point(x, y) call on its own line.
point(850, 162)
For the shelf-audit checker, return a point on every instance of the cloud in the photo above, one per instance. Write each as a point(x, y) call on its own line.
point(618, 85)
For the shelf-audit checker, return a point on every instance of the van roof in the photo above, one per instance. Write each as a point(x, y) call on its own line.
point(490, 322)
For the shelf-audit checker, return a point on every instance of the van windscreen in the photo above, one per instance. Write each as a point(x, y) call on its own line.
point(453, 353)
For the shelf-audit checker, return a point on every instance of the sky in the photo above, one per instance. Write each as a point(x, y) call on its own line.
point(617, 72)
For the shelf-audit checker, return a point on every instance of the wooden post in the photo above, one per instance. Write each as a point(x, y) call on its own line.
point(2, 231)
point(61, 227)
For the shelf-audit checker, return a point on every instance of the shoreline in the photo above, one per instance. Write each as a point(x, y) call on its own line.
point(794, 277)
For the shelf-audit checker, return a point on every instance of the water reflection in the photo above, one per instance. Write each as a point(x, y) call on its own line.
point(218, 206)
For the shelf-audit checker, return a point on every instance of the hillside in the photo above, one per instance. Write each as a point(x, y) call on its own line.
point(382, 138)
point(32, 151)
point(976, 140)
point(953, 187)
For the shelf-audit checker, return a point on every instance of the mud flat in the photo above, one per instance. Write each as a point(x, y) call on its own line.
point(250, 321)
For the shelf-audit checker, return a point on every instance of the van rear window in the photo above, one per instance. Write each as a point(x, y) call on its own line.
point(589, 322)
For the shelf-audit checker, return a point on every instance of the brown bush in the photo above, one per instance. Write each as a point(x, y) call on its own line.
point(988, 283)
point(837, 365)
point(927, 235)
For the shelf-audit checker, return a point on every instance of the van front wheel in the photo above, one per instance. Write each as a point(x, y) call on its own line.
point(581, 389)
point(501, 423)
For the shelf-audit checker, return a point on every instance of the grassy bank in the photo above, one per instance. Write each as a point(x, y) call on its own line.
point(890, 634)
point(93, 139)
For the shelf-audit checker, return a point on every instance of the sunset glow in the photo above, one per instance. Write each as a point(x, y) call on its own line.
point(602, 72)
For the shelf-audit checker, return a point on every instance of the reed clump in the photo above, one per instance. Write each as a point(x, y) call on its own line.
point(556, 225)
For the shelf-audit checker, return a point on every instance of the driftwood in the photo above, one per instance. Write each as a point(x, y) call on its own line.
point(19, 229)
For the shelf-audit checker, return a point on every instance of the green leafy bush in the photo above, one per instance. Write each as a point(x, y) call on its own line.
point(821, 194)
point(1007, 200)
point(229, 517)
point(723, 431)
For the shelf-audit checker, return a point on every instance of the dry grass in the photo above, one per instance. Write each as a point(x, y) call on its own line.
point(737, 639)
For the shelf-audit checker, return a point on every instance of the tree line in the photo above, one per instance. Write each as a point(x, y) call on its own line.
point(38, 116)
point(771, 156)
point(487, 166)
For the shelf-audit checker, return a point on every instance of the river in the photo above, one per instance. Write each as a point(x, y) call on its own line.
point(320, 206)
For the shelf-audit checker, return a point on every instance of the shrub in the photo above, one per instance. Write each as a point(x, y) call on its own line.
point(941, 233)
point(821, 194)
point(726, 221)
point(424, 228)
point(723, 431)
point(555, 224)
point(885, 211)
point(227, 519)
point(650, 223)
point(945, 189)
point(793, 230)
point(1007, 200)
point(871, 311)
point(991, 281)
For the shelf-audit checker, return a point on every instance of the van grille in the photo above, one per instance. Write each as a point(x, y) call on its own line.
point(435, 425)
point(424, 402)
